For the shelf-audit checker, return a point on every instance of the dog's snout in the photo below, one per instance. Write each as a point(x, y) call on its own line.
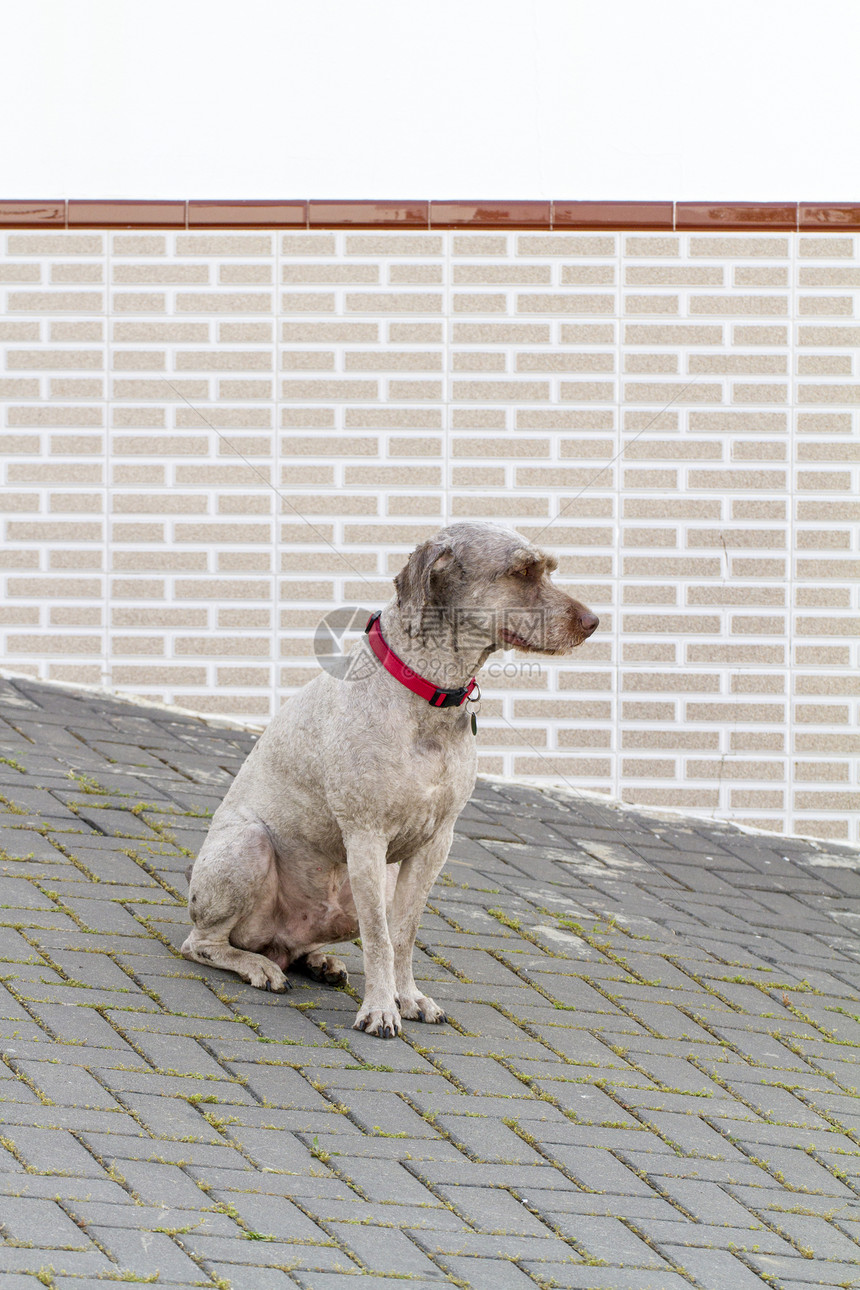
point(589, 622)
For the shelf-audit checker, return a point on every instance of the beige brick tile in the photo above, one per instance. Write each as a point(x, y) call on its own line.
point(234, 302)
point(492, 333)
point(673, 275)
point(136, 645)
point(20, 273)
point(651, 247)
point(64, 643)
point(307, 244)
point(493, 505)
point(585, 275)
point(248, 389)
point(552, 477)
point(56, 302)
point(640, 304)
point(672, 334)
point(76, 445)
point(217, 244)
point(587, 391)
point(748, 275)
point(674, 624)
point(757, 567)
point(159, 333)
point(19, 615)
point(341, 274)
point(672, 740)
point(88, 558)
point(139, 302)
point(848, 337)
point(824, 365)
point(163, 274)
point(137, 532)
point(238, 503)
point(565, 244)
point(256, 619)
point(142, 503)
point(159, 388)
point(387, 360)
point(668, 566)
point(233, 333)
point(637, 711)
point(566, 303)
point(828, 393)
point(650, 537)
point(478, 361)
point(416, 244)
point(139, 244)
point(67, 388)
point(560, 361)
point(420, 447)
point(673, 450)
point(129, 360)
point(56, 244)
point(401, 333)
point(718, 594)
point(20, 330)
point(822, 597)
point(244, 562)
point(506, 391)
point(32, 588)
point(332, 388)
point(587, 333)
point(752, 335)
point(493, 274)
point(479, 419)
point(843, 305)
point(19, 559)
point(643, 594)
point(667, 363)
point(479, 303)
point(391, 302)
point(22, 501)
point(662, 391)
point(733, 304)
point(47, 472)
point(465, 447)
point(19, 388)
point(737, 364)
point(578, 738)
point(251, 360)
point(245, 274)
point(829, 247)
point(735, 480)
point(827, 626)
point(332, 446)
point(759, 392)
point(737, 246)
point(329, 332)
point(147, 418)
point(738, 422)
point(90, 503)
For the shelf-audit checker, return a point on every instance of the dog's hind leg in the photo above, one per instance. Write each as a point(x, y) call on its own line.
point(232, 897)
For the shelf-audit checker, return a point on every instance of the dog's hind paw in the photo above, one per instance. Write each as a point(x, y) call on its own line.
point(382, 1022)
point(420, 1008)
point(322, 967)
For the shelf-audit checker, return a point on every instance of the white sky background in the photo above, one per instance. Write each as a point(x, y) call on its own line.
point(613, 99)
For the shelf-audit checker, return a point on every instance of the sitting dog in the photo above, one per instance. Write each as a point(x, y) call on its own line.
point(341, 818)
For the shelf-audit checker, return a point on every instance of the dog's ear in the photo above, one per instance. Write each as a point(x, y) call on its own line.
point(422, 581)
point(529, 562)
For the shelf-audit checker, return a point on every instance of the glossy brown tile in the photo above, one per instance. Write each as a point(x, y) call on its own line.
point(478, 214)
point(712, 216)
point(33, 214)
point(126, 214)
point(831, 215)
point(612, 215)
point(367, 214)
point(250, 214)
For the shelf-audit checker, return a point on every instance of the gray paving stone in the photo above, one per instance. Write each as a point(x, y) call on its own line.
point(690, 991)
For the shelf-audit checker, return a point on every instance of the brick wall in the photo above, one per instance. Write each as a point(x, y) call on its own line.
point(672, 413)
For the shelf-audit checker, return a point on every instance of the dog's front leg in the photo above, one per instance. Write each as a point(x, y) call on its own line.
point(379, 1013)
point(414, 882)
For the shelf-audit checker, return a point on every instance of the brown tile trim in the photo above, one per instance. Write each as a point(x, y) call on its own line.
point(736, 216)
point(613, 215)
point(274, 214)
point(834, 217)
point(126, 214)
point(491, 214)
point(367, 214)
point(33, 214)
point(762, 217)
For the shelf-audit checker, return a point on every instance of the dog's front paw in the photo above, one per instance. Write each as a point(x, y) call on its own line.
point(418, 1007)
point(383, 1022)
point(265, 975)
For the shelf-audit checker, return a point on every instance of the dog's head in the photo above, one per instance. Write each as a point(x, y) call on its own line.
point(489, 581)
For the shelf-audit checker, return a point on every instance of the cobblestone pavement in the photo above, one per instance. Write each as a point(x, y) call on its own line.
point(647, 1082)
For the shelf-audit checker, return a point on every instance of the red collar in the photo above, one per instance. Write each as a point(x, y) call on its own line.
point(405, 675)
